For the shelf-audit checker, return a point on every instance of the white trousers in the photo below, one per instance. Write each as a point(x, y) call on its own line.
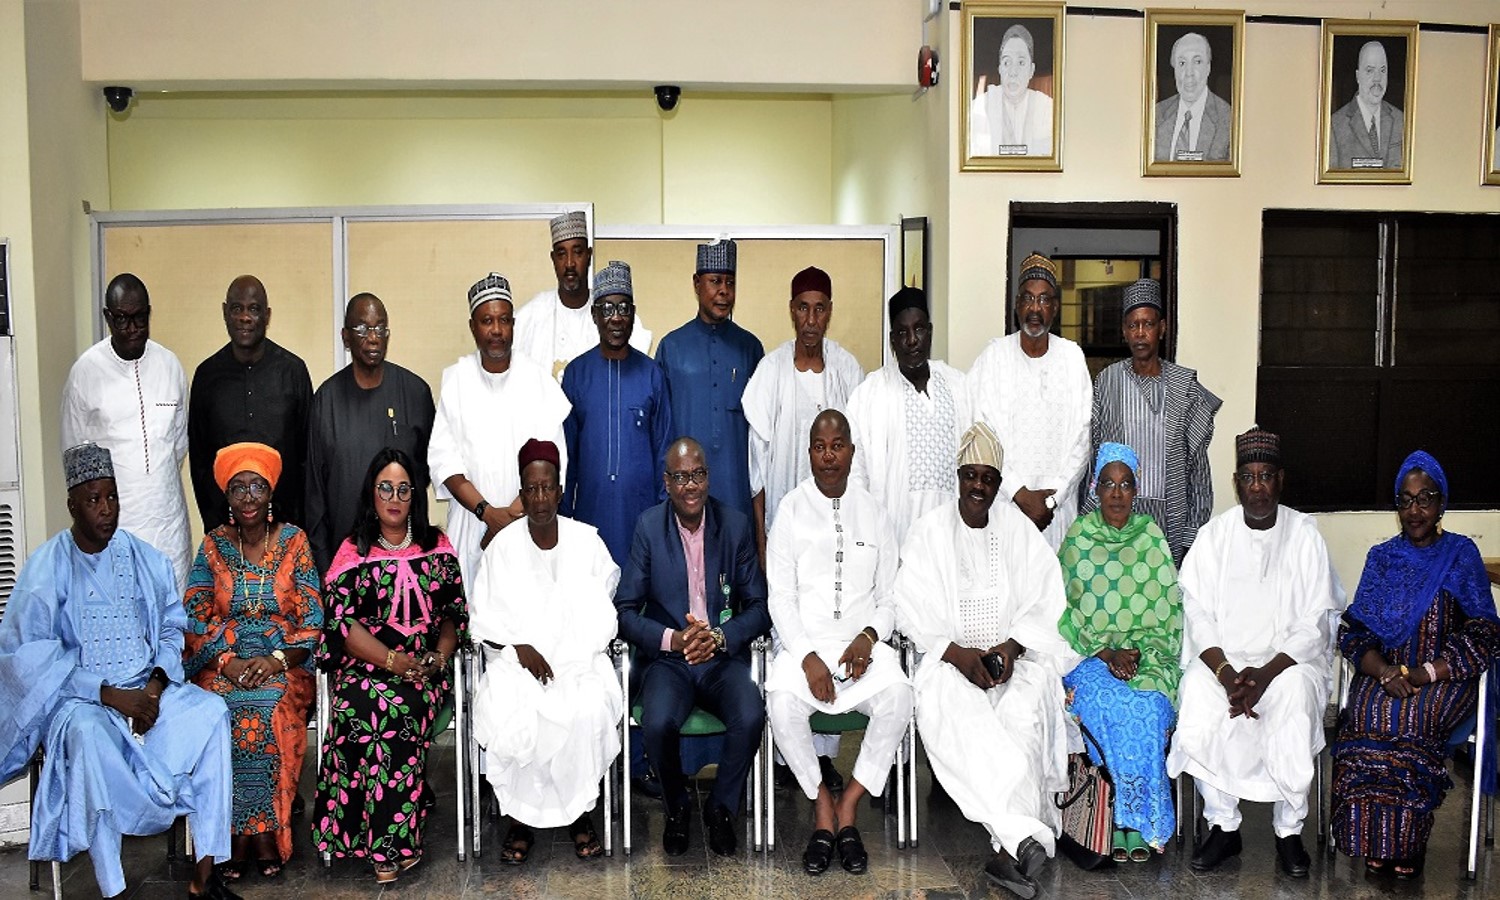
point(889, 711)
point(1223, 810)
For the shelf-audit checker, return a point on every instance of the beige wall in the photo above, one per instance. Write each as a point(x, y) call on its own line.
point(745, 159)
point(767, 44)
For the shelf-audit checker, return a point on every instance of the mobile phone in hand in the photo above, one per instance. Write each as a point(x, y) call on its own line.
point(994, 663)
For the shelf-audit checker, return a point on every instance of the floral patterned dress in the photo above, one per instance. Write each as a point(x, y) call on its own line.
point(370, 801)
point(240, 610)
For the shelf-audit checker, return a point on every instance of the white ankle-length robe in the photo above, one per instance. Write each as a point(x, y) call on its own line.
point(547, 745)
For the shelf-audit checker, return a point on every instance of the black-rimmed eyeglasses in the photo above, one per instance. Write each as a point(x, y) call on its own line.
point(697, 476)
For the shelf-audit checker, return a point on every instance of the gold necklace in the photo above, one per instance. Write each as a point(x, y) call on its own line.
point(256, 605)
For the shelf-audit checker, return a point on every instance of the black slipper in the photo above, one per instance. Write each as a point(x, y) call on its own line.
point(852, 855)
point(819, 853)
point(269, 868)
point(230, 872)
point(513, 855)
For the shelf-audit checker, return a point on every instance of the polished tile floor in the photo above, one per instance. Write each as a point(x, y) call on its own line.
point(947, 863)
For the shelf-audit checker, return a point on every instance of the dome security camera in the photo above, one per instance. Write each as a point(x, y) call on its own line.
point(667, 96)
point(118, 97)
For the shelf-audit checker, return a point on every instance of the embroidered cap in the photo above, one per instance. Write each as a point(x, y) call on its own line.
point(1038, 266)
point(87, 462)
point(1144, 292)
point(717, 256)
point(493, 286)
point(570, 226)
point(613, 279)
point(1257, 446)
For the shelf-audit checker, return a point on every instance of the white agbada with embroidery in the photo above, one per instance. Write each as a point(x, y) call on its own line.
point(818, 604)
point(553, 335)
point(906, 440)
point(1255, 594)
point(482, 421)
point(780, 405)
point(1000, 754)
point(547, 745)
point(1039, 409)
point(137, 409)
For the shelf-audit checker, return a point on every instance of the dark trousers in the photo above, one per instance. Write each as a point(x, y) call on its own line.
point(670, 689)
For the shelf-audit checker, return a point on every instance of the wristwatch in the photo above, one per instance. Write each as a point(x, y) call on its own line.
point(718, 636)
point(479, 509)
point(280, 657)
point(1050, 502)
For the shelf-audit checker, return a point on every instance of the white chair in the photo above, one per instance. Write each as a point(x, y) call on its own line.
point(468, 749)
point(906, 758)
point(458, 721)
point(699, 723)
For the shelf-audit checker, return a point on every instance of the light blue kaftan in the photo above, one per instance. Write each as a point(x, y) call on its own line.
point(75, 623)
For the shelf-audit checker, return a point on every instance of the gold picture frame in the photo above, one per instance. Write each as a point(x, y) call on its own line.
point(1363, 59)
point(1025, 40)
point(1491, 131)
point(1187, 51)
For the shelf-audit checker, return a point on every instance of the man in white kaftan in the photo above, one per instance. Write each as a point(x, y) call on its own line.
point(554, 327)
point(491, 403)
point(978, 581)
point(1033, 389)
point(832, 565)
point(128, 394)
point(790, 387)
point(1257, 593)
point(547, 711)
point(907, 417)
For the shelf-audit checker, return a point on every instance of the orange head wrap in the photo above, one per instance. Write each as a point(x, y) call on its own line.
point(247, 457)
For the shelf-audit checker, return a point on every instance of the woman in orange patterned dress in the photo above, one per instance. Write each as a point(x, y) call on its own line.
point(254, 614)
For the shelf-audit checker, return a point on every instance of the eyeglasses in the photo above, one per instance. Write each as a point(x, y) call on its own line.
point(256, 489)
point(1424, 499)
point(121, 321)
point(681, 479)
point(364, 331)
point(610, 310)
point(1042, 300)
point(401, 491)
point(1106, 486)
point(1248, 478)
point(539, 490)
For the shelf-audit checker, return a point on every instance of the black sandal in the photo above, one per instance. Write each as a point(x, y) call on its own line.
point(518, 843)
point(1374, 866)
point(231, 871)
point(819, 853)
point(1412, 867)
point(585, 841)
point(269, 868)
point(852, 855)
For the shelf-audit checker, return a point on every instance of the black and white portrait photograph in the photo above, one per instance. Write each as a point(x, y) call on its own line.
point(1192, 92)
point(1369, 83)
point(1013, 102)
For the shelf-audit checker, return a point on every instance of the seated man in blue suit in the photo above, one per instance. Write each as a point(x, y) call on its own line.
point(692, 599)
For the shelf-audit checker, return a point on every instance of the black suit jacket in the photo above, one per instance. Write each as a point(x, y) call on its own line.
point(653, 586)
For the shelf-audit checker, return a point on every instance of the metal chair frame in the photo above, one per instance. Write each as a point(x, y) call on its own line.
point(459, 723)
point(906, 765)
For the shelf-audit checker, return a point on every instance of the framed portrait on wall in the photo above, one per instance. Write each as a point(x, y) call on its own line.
point(1365, 114)
point(1492, 112)
point(1193, 82)
point(1012, 96)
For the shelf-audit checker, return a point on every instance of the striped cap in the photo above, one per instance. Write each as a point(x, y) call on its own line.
point(1038, 266)
point(1257, 446)
point(493, 286)
point(717, 256)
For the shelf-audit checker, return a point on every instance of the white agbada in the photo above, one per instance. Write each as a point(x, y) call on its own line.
point(547, 746)
point(780, 410)
point(1255, 594)
point(482, 421)
point(553, 335)
point(137, 409)
point(1040, 410)
point(1000, 754)
point(907, 439)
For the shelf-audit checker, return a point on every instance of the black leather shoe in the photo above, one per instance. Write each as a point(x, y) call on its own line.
point(648, 785)
point(1217, 847)
point(1002, 871)
point(831, 777)
point(1292, 856)
point(1030, 857)
point(674, 836)
point(785, 780)
point(720, 827)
